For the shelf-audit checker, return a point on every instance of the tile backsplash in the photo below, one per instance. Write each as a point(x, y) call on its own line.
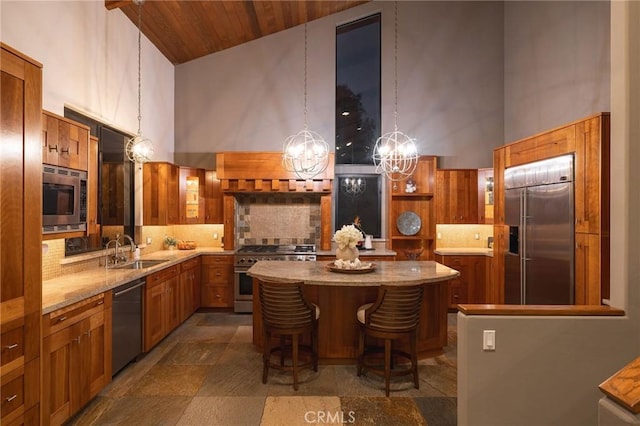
point(278, 218)
point(458, 236)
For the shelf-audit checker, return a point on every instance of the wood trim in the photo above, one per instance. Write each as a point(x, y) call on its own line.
point(19, 55)
point(540, 310)
point(623, 388)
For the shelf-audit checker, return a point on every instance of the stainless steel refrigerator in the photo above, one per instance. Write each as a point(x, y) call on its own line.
point(539, 212)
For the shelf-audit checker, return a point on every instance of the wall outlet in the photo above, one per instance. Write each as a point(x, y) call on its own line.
point(476, 236)
point(215, 235)
point(439, 235)
point(148, 240)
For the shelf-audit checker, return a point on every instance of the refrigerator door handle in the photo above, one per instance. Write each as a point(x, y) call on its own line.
point(523, 245)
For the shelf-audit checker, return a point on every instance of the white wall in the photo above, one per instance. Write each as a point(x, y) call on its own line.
point(450, 85)
point(556, 64)
point(90, 62)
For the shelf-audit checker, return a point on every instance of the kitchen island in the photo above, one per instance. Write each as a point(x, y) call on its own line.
point(340, 294)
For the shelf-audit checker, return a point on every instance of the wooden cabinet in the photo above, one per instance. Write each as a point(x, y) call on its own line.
point(213, 205)
point(422, 203)
point(160, 194)
point(485, 196)
point(456, 196)
point(588, 141)
point(189, 292)
point(470, 285)
point(93, 227)
point(161, 305)
point(217, 281)
point(76, 356)
point(192, 200)
point(20, 239)
point(64, 142)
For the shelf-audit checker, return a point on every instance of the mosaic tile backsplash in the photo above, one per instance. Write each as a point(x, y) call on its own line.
point(278, 219)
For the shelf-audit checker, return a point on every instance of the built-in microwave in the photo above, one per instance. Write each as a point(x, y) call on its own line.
point(64, 199)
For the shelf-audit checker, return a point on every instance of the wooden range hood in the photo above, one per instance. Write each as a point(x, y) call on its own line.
point(263, 172)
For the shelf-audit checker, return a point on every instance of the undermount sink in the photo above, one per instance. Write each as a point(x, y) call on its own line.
point(140, 264)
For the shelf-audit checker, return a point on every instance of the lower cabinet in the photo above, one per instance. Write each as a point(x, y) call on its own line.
point(161, 305)
point(76, 357)
point(217, 281)
point(470, 286)
point(189, 290)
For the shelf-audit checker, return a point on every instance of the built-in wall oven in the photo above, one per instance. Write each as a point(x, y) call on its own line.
point(246, 256)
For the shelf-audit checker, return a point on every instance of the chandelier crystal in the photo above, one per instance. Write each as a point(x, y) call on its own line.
point(306, 153)
point(139, 149)
point(395, 154)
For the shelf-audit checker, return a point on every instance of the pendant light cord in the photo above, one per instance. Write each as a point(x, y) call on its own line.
point(395, 65)
point(305, 76)
point(139, 64)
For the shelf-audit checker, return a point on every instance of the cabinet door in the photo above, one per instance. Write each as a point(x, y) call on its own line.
point(61, 380)
point(591, 175)
point(171, 304)
point(213, 198)
point(161, 194)
point(97, 341)
point(476, 281)
point(154, 300)
point(192, 201)
point(457, 196)
point(186, 294)
point(65, 143)
point(587, 269)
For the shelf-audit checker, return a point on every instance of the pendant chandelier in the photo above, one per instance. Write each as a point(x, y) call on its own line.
point(139, 149)
point(306, 153)
point(395, 154)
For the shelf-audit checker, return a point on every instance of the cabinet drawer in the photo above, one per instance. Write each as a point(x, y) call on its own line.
point(163, 275)
point(190, 264)
point(12, 342)
point(12, 394)
point(64, 317)
point(457, 294)
point(212, 260)
point(217, 275)
point(216, 296)
point(454, 261)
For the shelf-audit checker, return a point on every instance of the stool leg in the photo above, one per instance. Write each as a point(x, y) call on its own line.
point(387, 365)
point(414, 359)
point(294, 349)
point(360, 351)
point(314, 347)
point(266, 354)
point(282, 346)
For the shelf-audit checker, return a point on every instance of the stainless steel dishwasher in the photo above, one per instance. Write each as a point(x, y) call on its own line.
point(126, 342)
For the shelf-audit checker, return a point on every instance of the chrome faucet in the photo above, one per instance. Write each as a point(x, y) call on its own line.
point(117, 255)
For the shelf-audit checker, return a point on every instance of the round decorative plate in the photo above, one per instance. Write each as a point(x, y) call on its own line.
point(367, 267)
point(409, 223)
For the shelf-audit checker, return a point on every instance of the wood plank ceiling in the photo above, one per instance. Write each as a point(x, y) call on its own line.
point(186, 30)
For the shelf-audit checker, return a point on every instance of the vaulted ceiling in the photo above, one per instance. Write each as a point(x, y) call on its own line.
point(184, 30)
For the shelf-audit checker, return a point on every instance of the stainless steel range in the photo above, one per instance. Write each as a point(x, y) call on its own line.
point(250, 254)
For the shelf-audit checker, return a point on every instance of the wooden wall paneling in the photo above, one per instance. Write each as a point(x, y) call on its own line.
point(325, 222)
point(229, 206)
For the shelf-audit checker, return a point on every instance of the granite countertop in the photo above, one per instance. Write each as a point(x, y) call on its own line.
point(68, 289)
point(464, 251)
point(316, 273)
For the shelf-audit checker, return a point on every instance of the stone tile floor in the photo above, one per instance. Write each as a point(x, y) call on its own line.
point(207, 372)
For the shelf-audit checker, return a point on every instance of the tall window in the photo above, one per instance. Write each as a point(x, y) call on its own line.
point(357, 90)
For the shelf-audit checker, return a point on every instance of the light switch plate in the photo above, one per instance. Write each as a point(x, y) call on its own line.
point(489, 340)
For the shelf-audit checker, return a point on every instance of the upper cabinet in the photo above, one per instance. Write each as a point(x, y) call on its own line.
point(213, 204)
point(411, 214)
point(457, 196)
point(192, 200)
point(160, 194)
point(65, 143)
point(485, 196)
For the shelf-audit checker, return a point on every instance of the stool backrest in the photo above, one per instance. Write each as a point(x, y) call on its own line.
point(284, 306)
point(396, 309)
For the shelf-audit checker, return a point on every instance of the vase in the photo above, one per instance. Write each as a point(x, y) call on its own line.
point(347, 253)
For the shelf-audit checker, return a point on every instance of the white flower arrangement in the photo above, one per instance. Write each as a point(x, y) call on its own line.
point(348, 236)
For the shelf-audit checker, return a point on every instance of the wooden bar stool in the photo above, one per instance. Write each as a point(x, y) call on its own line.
point(395, 314)
point(287, 314)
